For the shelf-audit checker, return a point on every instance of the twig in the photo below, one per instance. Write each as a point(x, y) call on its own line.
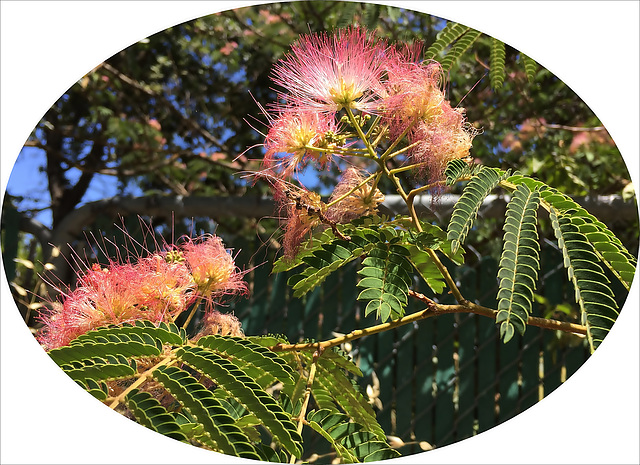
point(433, 309)
point(143, 377)
point(307, 396)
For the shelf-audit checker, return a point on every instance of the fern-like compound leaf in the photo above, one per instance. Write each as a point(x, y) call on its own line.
point(597, 304)
point(90, 371)
point(165, 333)
point(246, 391)
point(445, 38)
point(461, 46)
point(466, 209)
point(333, 389)
point(386, 277)
point(121, 345)
point(326, 259)
point(611, 252)
point(150, 413)
point(519, 263)
point(457, 169)
point(350, 439)
point(530, 67)
point(347, 15)
point(496, 72)
point(254, 360)
point(219, 431)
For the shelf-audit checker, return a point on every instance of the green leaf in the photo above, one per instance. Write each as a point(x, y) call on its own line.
point(246, 391)
point(445, 38)
point(221, 433)
point(125, 347)
point(461, 46)
point(327, 258)
point(519, 264)
point(606, 245)
point(101, 371)
point(386, 280)
point(351, 440)
point(530, 67)
point(597, 304)
point(496, 72)
point(466, 209)
point(457, 169)
point(166, 333)
point(242, 352)
point(150, 413)
point(332, 385)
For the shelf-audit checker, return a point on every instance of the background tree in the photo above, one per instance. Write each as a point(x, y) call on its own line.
point(136, 134)
point(172, 116)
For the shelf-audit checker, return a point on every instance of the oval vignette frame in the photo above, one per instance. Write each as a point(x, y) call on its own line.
point(60, 423)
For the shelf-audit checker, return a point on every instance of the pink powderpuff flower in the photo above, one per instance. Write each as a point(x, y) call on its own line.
point(328, 73)
point(412, 90)
point(447, 137)
point(301, 209)
point(224, 324)
point(157, 287)
point(150, 289)
point(212, 268)
point(167, 287)
point(292, 133)
point(364, 200)
point(302, 218)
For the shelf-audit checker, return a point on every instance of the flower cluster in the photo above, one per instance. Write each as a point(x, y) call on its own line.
point(158, 287)
point(353, 197)
point(346, 95)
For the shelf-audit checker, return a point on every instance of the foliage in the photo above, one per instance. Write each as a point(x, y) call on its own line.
point(223, 393)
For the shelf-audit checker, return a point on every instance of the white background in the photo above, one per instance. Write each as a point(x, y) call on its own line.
point(591, 46)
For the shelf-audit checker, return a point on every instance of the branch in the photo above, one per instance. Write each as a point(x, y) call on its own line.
point(190, 122)
point(143, 377)
point(307, 396)
point(573, 128)
point(433, 309)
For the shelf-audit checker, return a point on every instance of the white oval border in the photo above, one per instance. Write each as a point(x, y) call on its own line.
point(46, 46)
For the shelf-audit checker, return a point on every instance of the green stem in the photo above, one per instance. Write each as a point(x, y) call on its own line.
point(400, 152)
point(373, 126)
point(193, 310)
point(387, 152)
point(363, 137)
point(419, 190)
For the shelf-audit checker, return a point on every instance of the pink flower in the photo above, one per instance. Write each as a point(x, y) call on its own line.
point(329, 73)
point(292, 134)
point(224, 324)
point(157, 287)
point(150, 289)
point(360, 201)
point(445, 138)
point(412, 90)
point(212, 268)
point(301, 208)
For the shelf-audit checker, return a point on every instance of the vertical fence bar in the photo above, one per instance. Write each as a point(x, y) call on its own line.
point(487, 374)
point(466, 354)
point(445, 378)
